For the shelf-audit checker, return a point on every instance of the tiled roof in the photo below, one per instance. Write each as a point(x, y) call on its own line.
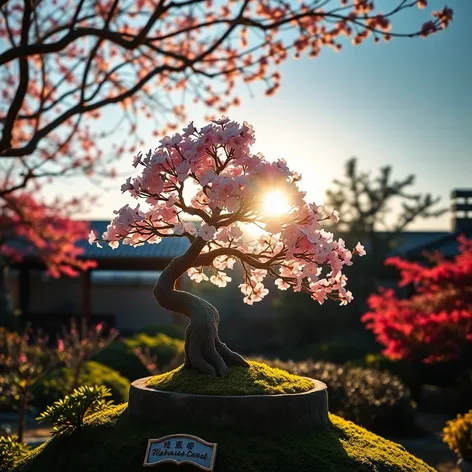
point(166, 249)
point(409, 242)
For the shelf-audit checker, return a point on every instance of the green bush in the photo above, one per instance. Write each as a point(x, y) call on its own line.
point(68, 413)
point(59, 383)
point(455, 375)
point(371, 398)
point(403, 369)
point(120, 357)
point(337, 351)
point(172, 330)
point(11, 450)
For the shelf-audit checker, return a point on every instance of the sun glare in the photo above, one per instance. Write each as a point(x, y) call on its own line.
point(275, 203)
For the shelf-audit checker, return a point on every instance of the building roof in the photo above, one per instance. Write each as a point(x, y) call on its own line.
point(166, 249)
point(410, 244)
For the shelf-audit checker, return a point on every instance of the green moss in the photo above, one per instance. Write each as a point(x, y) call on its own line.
point(259, 379)
point(112, 441)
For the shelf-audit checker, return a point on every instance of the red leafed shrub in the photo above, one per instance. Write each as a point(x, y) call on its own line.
point(433, 324)
point(30, 227)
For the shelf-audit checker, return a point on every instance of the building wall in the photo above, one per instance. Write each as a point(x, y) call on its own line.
point(131, 303)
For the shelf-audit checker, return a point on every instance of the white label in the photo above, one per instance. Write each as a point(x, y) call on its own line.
point(180, 449)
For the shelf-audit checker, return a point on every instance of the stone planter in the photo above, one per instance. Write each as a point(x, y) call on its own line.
point(464, 466)
point(300, 411)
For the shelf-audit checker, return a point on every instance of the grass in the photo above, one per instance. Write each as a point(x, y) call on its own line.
point(259, 379)
point(111, 440)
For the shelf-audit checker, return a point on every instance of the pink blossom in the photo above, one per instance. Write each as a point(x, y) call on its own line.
point(220, 280)
point(206, 232)
point(334, 216)
point(179, 228)
point(360, 249)
point(137, 159)
point(281, 284)
point(127, 185)
point(196, 275)
point(92, 237)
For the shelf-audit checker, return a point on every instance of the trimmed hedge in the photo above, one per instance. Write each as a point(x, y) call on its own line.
point(59, 383)
point(373, 399)
point(336, 351)
point(172, 330)
point(120, 357)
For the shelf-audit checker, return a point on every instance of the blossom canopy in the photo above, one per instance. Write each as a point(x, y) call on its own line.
point(227, 184)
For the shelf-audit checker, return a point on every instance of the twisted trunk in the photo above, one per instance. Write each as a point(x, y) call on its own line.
point(204, 350)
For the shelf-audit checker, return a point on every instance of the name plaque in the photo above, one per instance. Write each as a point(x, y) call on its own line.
point(180, 449)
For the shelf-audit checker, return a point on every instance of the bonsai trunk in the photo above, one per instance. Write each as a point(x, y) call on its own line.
point(204, 350)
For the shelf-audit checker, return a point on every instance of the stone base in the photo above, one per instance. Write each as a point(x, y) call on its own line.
point(300, 411)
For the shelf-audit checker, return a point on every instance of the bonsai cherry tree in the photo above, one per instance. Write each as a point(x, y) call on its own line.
point(206, 185)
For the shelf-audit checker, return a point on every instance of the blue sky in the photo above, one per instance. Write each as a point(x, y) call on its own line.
point(407, 103)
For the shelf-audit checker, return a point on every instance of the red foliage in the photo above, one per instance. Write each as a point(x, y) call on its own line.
point(435, 323)
point(29, 227)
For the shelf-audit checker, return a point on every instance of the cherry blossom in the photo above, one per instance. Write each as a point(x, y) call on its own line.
point(63, 63)
point(229, 183)
point(360, 249)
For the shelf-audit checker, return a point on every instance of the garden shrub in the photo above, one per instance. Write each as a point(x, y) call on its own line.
point(68, 413)
point(11, 449)
point(453, 374)
point(172, 330)
point(373, 399)
point(338, 352)
point(458, 435)
point(60, 383)
point(400, 368)
point(119, 355)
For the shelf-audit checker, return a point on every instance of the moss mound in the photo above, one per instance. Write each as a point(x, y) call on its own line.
point(112, 441)
point(59, 383)
point(259, 379)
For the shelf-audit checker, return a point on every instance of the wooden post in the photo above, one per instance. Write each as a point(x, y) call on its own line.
point(86, 308)
point(24, 291)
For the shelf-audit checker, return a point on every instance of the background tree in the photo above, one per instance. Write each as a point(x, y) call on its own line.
point(434, 324)
point(62, 64)
point(25, 359)
point(28, 227)
point(228, 186)
point(377, 209)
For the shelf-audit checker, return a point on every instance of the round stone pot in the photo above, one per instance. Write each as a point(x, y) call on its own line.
point(464, 466)
point(300, 411)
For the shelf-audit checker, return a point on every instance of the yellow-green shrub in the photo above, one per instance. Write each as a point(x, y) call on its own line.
point(458, 435)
